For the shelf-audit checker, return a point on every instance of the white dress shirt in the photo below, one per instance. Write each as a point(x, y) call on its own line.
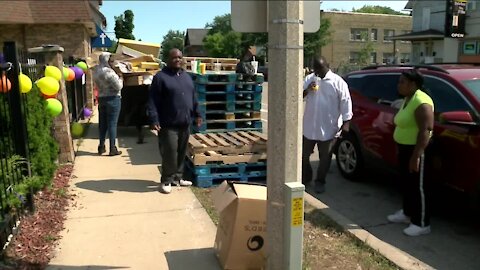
point(327, 108)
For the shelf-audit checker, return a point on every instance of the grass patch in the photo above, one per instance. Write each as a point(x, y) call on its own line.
point(325, 244)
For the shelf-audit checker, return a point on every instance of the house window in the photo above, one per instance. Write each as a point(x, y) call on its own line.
point(354, 57)
point(374, 35)
point(405, 58)
point(404, 32)
point(373, 58)
point(472, 5)
point(387, 58)
point(388, 33)
point(358, 34)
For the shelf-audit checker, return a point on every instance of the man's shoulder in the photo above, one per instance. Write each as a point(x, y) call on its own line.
point(309, 76)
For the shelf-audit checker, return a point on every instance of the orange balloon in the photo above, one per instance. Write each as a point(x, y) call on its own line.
point(71, 75)
point(5, 84)
point(47, 96)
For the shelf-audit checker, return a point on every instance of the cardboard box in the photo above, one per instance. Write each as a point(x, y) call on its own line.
point(132, 80)
point(241, 232)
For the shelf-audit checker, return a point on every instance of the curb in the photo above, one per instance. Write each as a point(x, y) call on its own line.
point(395, 255)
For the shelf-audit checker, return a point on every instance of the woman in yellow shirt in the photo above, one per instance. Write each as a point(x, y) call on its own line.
point(413, 129)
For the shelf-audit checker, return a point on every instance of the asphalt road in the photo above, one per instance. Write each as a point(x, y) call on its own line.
point(455, 239)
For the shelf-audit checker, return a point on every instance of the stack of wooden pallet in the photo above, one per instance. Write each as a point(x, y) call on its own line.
point(229, 102)
point(236, 156)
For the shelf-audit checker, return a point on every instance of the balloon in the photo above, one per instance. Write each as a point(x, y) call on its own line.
point(77, 129)
point(71, 75)
point(48, 86)
point(78, 72)
point(25, 83)
point(54, 72)
point(65, 73)
point(82, 65)
point(47, 97)
point(5, 84)
point(54, 106)
point(87, 112)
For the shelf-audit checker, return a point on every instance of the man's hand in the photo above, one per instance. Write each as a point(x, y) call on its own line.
point(198, 121)
point(155, 127)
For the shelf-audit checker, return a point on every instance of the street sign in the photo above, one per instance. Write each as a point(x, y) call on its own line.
point(252, 16)
point(102, 40)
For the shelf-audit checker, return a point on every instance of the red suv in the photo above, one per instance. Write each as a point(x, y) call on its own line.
point(455, 152)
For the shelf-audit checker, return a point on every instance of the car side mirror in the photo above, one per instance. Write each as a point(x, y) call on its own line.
point(458, 117)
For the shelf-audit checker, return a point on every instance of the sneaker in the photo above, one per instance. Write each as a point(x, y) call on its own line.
point(319, 187)
point(414, 230)
point(165, 188)
point(398, 217)
point(184, 183)
point(114, 151)
point(101, 149)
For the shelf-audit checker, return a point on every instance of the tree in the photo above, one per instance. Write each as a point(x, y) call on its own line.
point(173, 39)
point(124, 25)
point(313, 42)
point(377, 9)
point(365, 53)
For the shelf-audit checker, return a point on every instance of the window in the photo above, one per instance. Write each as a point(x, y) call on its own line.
point(445, 97)
point(374, 35)
point(373, 57)
point(474, 86)
point(388, 33)
point(387, 58)
point(472, 5)
point(358, 34)
point(404, 58)
point(380, 88)
point(354, 56)
point(404, 32)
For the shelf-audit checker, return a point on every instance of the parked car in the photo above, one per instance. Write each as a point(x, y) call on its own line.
point(455, 147)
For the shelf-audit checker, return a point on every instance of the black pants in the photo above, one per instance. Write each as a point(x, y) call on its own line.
point(415, 188)
point(173, 144)
point(325, 155)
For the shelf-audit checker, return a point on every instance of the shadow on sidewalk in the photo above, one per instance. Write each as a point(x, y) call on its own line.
point(199, 259)
point(110, 185)
point(85, 267)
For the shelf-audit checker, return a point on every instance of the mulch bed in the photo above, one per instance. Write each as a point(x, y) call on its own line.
point(34, 245)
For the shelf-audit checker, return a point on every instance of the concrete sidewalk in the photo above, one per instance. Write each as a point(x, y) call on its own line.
point(118, 219)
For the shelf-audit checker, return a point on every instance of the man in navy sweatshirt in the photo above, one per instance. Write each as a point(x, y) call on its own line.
point(172, 108)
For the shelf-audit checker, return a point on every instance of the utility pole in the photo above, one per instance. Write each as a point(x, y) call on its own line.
point(285, 107)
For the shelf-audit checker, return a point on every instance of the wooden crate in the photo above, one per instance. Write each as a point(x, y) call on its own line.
point(227, 143)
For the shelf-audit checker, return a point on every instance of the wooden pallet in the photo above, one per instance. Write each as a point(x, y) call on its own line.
point(227, 143)
point(215, 157)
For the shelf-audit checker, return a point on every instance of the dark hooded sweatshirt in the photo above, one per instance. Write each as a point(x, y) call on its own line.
point(172, 99)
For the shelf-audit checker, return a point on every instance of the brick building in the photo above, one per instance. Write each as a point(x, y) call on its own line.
point(69, 24)
point(349, 33)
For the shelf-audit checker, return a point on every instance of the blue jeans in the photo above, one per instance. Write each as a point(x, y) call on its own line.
point(109, 110)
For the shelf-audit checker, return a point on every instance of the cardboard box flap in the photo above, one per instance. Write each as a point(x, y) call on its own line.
point(223, 196)
point(250, 191)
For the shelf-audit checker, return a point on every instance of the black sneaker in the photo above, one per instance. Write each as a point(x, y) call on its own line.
point(101, 149)
point(114, 151)
point(319, 187)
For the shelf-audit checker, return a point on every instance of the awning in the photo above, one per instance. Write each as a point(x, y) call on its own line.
point(430, 34)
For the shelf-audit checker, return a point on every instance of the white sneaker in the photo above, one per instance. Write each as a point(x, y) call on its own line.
point(398, 217)
point(185, 183)
point(165, 188)
point(414, 230)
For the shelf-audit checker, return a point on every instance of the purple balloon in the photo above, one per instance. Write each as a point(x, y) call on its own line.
point(87, 112)
point(78, 72)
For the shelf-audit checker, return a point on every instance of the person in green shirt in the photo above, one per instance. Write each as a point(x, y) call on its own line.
point(413, 130)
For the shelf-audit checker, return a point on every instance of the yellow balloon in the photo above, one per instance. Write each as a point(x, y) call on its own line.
point(48, 86)
point(25, 83)
point(77, 129)
point(54, 72)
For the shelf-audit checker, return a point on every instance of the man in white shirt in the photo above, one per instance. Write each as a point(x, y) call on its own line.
point(328, 112)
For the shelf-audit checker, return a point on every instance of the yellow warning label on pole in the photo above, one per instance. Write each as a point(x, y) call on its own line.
point(297, 211)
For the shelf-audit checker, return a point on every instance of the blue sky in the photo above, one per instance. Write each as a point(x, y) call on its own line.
point(153, 19)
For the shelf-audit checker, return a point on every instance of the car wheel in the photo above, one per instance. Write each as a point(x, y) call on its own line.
point(349, 158)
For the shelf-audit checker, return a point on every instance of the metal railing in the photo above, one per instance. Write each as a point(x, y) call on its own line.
point(76, 93)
